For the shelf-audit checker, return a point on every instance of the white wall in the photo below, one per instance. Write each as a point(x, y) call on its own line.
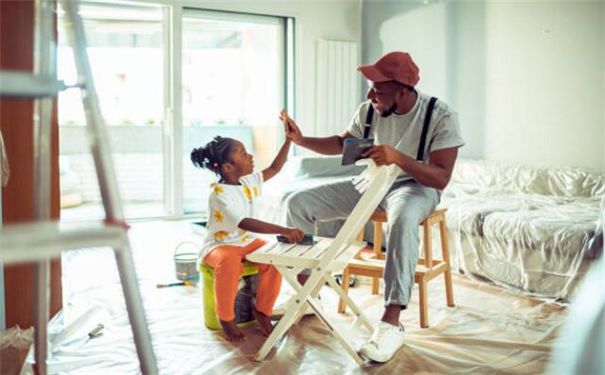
point(425, 44)
point(527, 78)
point(315, 19)
point(603, 96)
point(545, 100)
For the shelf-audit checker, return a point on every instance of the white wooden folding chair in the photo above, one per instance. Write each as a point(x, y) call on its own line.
point(326, 256)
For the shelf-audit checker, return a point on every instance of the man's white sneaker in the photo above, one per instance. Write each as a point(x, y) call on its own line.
point(383, 344)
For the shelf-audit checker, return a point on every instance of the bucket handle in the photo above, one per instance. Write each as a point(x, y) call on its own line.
point(176, 250)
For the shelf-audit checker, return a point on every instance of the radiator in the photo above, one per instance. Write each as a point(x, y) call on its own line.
point(337, 86)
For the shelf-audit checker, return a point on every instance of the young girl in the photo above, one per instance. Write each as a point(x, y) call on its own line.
point(232, 224)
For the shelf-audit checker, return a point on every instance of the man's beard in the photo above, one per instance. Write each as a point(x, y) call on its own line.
point(389, 111)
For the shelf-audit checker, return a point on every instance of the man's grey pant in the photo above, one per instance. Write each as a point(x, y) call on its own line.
point(407, 203)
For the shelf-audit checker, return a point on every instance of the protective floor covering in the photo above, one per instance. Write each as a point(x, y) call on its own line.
point(490, 331)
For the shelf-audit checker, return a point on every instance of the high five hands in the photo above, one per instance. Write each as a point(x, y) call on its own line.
point(381, 154)
point(290, 128)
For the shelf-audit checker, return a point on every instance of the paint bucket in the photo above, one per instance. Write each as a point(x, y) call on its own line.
point(185, 260)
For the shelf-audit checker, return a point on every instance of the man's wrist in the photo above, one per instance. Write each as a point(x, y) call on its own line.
point(400, 160)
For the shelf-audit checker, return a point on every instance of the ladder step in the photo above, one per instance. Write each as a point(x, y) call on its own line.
point(27, 85)
point(39, 240)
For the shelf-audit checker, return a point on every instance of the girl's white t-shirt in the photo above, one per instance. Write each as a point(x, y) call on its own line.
point(227, 206)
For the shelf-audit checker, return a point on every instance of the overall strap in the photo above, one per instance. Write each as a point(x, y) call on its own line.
point(369, 117)
point(425, 128)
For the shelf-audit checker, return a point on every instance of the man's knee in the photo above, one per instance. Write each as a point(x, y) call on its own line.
point(295, 201)
point(298, 206)
point(404, 222)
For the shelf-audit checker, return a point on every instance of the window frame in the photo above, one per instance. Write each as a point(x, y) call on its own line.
point(172, 126)
point(173, 145)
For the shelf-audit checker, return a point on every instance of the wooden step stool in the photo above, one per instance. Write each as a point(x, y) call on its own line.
point(427, 269)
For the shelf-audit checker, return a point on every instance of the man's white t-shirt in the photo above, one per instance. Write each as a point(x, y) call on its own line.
point(403, 132)
point(227, 206)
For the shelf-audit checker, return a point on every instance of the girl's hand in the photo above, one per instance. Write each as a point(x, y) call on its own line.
point(292, 131)
point(293, 235)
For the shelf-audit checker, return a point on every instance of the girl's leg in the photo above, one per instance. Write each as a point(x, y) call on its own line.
point(269, 284)
point(227, 264)
point(269, 281)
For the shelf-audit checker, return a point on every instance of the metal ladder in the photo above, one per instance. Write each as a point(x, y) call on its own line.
point(18, 243)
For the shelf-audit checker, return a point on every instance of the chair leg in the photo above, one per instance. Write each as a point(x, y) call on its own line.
point(423, 299)
point(377, 253)
point(428, 244)
point(319, 312)
point(361, 317)
point(290, 317)
point(378, 240)
point(340, 337)
point(375, 285)
point(345, 287)
point(449, 290)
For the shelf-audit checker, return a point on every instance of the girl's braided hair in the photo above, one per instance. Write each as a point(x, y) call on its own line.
point(213, 155)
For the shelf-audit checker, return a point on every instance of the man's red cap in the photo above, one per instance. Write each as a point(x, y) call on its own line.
point(394, 66)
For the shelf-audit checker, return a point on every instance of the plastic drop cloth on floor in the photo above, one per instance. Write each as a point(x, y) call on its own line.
point(489, 331)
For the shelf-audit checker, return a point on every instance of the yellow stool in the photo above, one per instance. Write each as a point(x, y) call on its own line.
point(427, 269)
point(244, 302)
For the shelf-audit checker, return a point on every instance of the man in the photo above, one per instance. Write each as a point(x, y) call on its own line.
point(397, 128)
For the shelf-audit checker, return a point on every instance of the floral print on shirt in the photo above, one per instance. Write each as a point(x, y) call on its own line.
point(228, 205)
point(220, 235)
point(218, 216)
point(247, 193)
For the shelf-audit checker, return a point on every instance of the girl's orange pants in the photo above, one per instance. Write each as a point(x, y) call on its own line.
point(227, 263)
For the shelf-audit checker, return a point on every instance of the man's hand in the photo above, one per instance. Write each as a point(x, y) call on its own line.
point(290, 128)
point(292, 234)
point(382, 154)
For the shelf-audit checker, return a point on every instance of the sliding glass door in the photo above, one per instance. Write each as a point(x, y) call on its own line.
point(125, 47)
point(233, 74)
point(170, 79)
